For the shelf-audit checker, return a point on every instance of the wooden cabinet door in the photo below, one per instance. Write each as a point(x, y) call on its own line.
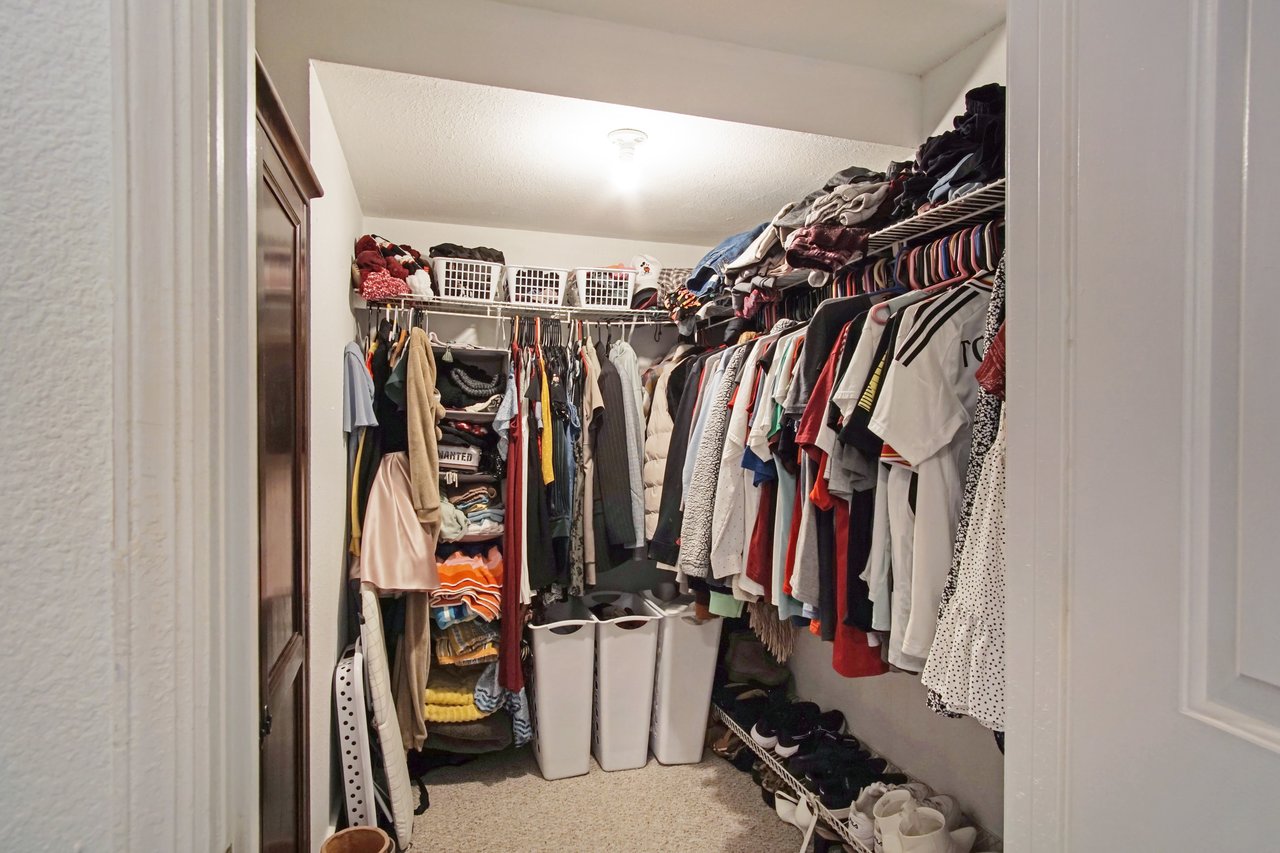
point(284, 188)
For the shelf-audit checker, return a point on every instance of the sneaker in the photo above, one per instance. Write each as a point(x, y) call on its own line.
point(838, 793)
point(765, 731)
point(945, 806)
point(822, 741)
point(804, 727)
point(865, 769)
point(862, 825)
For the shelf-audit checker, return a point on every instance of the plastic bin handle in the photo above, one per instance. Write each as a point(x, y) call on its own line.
point(563, 627)
point(630, 623)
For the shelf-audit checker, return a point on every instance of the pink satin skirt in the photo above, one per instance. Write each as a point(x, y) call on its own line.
point(396, 554)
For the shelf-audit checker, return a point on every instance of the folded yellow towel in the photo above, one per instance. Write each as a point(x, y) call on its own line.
point(448, 685)
point(453, 713)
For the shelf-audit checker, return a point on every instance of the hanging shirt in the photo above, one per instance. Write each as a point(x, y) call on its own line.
point(624, 361)
point(924, 412)
point(729, 535)
point(357, 391)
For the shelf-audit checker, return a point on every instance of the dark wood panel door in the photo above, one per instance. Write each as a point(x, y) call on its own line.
point(285, 187)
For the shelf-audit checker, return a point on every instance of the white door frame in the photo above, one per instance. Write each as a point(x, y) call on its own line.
point(1041, 240)
point(185, 744)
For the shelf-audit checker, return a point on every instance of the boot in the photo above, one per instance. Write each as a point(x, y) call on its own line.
point(924, 830)
point(888, 813)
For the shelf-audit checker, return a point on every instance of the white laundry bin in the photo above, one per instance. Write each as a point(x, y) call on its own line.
point(626, 651)
point(564, 649)
point(686, 669)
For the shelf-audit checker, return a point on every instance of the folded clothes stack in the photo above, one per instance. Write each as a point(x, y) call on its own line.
point(462, 385)
point(467, 643)
point(464, 433)
point(465, 638)
point(484, 516)
point(450, 696)
point(472, 581)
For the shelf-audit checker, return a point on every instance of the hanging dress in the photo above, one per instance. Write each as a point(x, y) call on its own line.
point(966, 665)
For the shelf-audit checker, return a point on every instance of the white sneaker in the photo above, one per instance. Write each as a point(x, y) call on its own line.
point(923, 830)
point(862, 825)
point(947, 807)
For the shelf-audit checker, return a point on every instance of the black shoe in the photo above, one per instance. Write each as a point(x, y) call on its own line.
point(804, 727)
point(765, 731)
point(827, 758)
point(860, 768)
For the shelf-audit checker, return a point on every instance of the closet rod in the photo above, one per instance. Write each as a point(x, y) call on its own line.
point(508, 310)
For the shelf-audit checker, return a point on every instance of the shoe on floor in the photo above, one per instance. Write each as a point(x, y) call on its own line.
point(784, 803)
point(946, 806)
point(923, 830)
point(765, 731)
point(888, 813)
point(805, 728)
point(862, 825)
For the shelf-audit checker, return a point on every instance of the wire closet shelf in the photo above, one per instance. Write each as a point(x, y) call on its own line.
point(980, 205)
point(502, 310)
point(986, 839)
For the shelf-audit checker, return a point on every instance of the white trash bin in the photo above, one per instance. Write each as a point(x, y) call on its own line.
point(626, 650)
point(686, 669)
point(564, 650)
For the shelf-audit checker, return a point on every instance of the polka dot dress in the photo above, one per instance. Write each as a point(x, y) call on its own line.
point(966, 662)
point(986, 418)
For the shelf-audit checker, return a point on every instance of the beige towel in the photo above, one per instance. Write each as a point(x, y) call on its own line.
point(425, 413)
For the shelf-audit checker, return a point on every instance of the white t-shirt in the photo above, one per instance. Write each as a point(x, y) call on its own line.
point(924, 412)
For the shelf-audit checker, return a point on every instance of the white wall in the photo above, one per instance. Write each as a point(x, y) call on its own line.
point(539, 51)
point(56, 428)
point(956, 757)
point(982, 62)
point(534, 248)
point(336, 222)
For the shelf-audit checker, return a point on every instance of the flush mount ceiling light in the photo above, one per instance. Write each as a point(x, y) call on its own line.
point(626, 171)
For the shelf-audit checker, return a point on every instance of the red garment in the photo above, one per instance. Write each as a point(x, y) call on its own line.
point(851, 655)
point(760, 549)
point(991, 372)
point(510, 672)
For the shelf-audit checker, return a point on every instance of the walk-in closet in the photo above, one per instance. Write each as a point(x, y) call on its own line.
point(661, 458)
point(585, 425)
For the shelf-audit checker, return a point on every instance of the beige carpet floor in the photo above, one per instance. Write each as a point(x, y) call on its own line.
point(499, 802)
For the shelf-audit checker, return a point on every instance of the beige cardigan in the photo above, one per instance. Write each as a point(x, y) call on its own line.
point(425, 413)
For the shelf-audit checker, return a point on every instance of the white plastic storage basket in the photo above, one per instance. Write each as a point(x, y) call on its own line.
point(564, 648)
point(599, 287)
point(682, 687)
point(456, 278)
point(536, 285)
point(626, 650)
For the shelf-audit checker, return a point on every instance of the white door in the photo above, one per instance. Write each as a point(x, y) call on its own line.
point(1144, 294)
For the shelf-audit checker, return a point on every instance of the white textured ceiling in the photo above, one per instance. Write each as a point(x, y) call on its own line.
point(444, 151)
point(910, 36)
